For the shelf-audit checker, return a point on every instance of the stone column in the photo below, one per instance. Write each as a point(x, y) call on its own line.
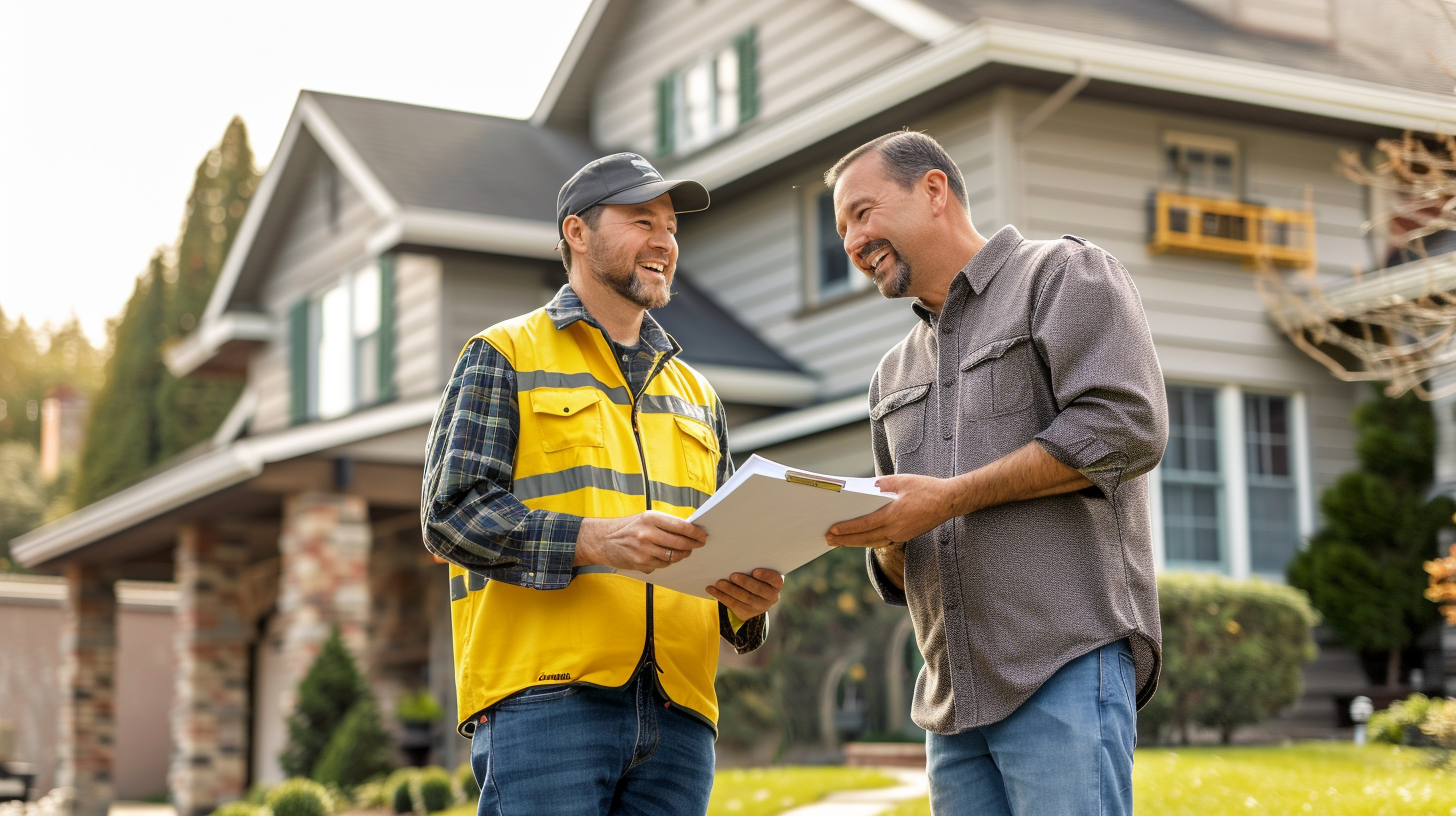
point(323, 581)
point(88, 688)
point(210, 709)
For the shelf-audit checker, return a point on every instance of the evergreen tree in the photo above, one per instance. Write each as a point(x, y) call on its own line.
point(143, 415)
point(1363, 569)
point(190, 410)
point(122, 435)
point(332, 687)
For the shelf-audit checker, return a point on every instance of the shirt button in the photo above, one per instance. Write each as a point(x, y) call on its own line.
point(945, 327)
point(947, 383)
point(624, 358)
point(948, 435)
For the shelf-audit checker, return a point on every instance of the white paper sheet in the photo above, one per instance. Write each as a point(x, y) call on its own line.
point(760, 519)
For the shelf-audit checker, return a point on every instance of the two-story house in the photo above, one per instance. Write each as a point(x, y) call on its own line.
point(1187, 137)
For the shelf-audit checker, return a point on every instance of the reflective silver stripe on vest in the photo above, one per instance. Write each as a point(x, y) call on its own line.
point(667, 404)
point(529, 380)
point(593, 569)
point(576, 478)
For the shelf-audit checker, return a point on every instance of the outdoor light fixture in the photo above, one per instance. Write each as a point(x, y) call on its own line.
point(1360, 710)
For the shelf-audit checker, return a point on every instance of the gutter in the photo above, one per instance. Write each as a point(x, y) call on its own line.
point(752, 436)
point(208, 474)
point(1392, 287)
point(1138, 64)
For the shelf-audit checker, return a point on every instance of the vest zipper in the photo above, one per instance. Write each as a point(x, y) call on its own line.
point(649, 649)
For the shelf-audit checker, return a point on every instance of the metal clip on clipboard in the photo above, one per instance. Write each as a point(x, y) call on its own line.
point(798, 477)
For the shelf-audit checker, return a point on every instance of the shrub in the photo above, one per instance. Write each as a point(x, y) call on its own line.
point(357, 751)
point(372, 795)
point(1389, 725)
point(1440, 724)
point(1232, 653)
point(465, 787)
point(419, 707)
point(433, 790)
point(400, 785)
point(299, 797)
point(331, 688)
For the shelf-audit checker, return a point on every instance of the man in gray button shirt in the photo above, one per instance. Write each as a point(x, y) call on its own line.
point(1016, 423)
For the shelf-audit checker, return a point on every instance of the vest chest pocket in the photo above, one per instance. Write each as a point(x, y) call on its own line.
point(903, 414)
point(568, 417)
point(700, 453)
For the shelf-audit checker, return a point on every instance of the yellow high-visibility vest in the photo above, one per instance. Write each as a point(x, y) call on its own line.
point(588, 448)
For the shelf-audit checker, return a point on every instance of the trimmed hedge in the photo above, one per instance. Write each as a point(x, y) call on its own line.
point(299, 797)
point(1232, 654)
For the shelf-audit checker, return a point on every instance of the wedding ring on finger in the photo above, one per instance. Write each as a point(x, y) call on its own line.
point(669, 556)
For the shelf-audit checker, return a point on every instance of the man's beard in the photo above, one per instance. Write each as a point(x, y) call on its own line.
point(619, 273)
point(894, 282)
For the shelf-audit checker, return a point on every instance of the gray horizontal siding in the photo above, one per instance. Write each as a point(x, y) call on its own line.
point(418, 287)
point(479, 291)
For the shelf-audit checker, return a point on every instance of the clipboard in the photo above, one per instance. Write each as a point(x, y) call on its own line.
point(766, 515)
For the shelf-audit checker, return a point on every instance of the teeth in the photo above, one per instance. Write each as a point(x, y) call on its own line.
point(654, 266)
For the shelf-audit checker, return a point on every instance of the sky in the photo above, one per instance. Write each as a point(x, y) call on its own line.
point(107, 108)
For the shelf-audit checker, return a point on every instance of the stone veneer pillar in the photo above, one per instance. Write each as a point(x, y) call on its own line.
point(210, 708)
point(323, 581)
point(88, 688)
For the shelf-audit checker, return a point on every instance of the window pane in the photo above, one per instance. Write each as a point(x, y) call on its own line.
point(334, 355)
point(1192, 489)
point(1191, 523)
point(727, 89)
point(1273, 523)
point(833, 263)
point(1273, 530)
point(366, 301)
point(697, 102)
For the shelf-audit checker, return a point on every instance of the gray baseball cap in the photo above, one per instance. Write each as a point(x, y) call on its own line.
point(624, 178)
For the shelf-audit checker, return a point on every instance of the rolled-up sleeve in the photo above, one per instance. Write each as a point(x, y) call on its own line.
point(468, 515)
point(1089, 327)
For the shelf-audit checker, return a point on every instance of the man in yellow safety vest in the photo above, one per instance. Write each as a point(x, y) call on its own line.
point(572, 442)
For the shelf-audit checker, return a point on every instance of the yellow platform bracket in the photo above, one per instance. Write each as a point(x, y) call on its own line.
point(1232, 229)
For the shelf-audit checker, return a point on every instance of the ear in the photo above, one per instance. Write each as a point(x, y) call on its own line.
point(576, 231)
point(937, 190)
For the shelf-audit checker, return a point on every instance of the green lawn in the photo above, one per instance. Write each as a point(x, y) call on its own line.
point(1332, 779)
point(767, 791)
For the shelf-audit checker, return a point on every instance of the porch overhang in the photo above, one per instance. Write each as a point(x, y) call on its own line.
point(220, 346)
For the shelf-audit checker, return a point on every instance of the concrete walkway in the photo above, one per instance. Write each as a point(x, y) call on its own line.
point(913, 785)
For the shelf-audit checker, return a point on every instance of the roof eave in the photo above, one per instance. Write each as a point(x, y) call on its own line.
point(759, 386)
point(566, 68)
point(229, 336)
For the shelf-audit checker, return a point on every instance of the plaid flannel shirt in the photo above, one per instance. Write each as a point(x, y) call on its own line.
point(469, 515)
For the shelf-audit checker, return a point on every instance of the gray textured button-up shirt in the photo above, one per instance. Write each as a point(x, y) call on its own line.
point(1044, 341)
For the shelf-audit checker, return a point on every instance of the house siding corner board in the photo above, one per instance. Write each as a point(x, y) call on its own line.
point(805, 50)
point(322, 240)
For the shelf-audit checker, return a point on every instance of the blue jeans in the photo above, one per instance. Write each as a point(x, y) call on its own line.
point(1066, 751)
point(580, 750)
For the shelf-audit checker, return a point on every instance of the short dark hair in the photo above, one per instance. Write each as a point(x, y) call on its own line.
point(593, 217)
point(908, 155)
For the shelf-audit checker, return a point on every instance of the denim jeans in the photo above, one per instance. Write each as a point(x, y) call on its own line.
point(575, 750)
point(1066, 751)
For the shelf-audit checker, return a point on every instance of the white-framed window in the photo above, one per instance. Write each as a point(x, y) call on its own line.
point(1232, 493)
point(342, 344)
point(1201, 165)
point(1192, 481)
point(828, 271)
point(709, 98)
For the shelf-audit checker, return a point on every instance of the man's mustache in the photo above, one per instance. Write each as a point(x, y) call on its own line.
point(872, 247)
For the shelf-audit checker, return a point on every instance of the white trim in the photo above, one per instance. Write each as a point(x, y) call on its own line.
point(1234, 468)
point(485, 233)
point(752, 436)
point(208, 474)
point(569, 60)
point(1155, 519)
point(1303, 483)
point(345, 157)
point(759, 386)
point(1140, 64)
point(237, 418)
point(203, 344)
point(913, 18)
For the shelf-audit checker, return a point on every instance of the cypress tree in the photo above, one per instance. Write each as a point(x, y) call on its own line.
point(1363, 569)
point(330, 690)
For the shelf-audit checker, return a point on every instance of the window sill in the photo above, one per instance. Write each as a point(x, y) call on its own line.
point(835, 302)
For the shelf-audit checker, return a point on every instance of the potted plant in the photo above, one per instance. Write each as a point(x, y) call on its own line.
point(417, 712)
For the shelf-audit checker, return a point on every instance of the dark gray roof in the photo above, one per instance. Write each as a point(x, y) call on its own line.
point(1172, 24)
point(709, 335)
point(451, 160)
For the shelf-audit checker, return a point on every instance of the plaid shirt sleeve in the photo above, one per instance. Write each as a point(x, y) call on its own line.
point(468, 514)
point(743, 636)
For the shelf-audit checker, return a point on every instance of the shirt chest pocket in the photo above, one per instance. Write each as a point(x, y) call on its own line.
point(700, 453)
point(996, 378)
point(903, 415)
point(568, 417)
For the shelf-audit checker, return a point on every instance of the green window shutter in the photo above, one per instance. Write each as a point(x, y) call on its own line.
point(747, 43)
point(298, 362)
point(666, 105)
point(386, 328)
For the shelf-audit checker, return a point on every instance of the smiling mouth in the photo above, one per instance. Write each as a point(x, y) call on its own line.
point(875, 254)
point(654, 266)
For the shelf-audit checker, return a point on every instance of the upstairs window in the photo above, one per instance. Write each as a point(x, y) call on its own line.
point(342, 345)
point(1199, 165)
point(709, 98)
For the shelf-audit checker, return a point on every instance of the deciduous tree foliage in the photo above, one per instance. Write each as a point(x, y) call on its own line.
point(1363, 570)
point(143, 415)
